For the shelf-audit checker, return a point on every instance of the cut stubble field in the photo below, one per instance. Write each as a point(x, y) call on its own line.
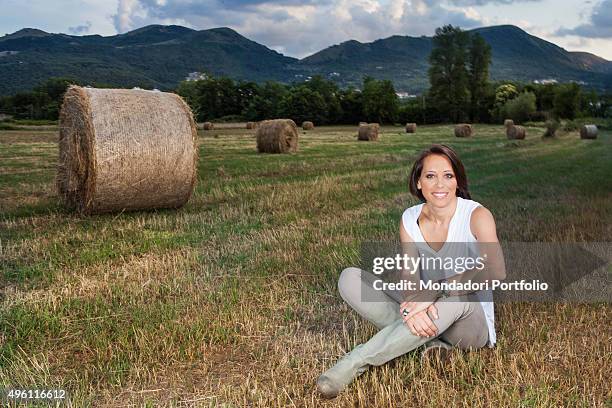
point(232, 300)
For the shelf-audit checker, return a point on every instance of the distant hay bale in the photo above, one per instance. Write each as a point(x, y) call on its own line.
point(463, 130)
point(411, 127)
point(123, 149)
point(277, 136)
point(363, 123)
point(307, 125)
point(588, 132)
point(368, 131)
point(508, 123)
point(515, 132)
point(208, 126)
point(251, 125)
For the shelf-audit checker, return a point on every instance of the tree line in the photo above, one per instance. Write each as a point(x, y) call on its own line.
point(318, 100)
point(460, 90)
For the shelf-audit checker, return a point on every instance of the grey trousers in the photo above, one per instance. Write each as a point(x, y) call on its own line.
point(460, 323)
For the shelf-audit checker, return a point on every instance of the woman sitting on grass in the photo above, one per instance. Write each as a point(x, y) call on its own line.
point(438, 319)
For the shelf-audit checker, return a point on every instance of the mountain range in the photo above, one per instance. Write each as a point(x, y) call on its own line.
point(159, 56)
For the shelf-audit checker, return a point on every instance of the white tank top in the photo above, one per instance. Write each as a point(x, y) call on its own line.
point(458, 231)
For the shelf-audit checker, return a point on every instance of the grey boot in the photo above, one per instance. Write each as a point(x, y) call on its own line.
point(389, 343)
point(349, 367)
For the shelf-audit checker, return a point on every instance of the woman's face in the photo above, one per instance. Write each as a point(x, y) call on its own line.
point(437, 182)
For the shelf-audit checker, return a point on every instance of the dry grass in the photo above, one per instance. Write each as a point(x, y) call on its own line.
point(232, 300)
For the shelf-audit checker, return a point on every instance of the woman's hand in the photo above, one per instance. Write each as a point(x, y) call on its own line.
point(420, 324)
point(412, 308)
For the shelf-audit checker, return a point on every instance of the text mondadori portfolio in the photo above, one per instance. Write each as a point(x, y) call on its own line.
point(470, 286)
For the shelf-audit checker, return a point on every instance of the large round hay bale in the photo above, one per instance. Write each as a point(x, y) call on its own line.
point(588, 132)
point(508, 123)
point(123, 149)
point(208, 126)
point(251, 125)
point(277, 136)
point(411, 127)
point(515, 132)
point(368, 132)
point(463, 130)
point(307, 125)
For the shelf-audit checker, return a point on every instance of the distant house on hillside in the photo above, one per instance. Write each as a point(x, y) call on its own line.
point(545, 81)
point(405, 95)
point(196, 76)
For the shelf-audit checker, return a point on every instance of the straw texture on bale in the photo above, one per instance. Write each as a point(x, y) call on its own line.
point(588, 132)
point(464, 130)
point(307, 125)
point(508, 123)
point(515, 132)
point(123, 149)
point(411, 127)
point(277, 136)
point(251, 125)
point(208, 126)
point(368, 132)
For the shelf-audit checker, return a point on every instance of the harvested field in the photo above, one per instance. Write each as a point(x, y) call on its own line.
point(233, 299)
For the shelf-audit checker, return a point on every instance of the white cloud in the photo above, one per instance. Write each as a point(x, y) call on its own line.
point(599, 24)
point(57, 16)
point(127, 12)
point(300, 28)
point(80, 29)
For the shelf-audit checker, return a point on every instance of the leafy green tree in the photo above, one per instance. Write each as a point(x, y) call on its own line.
point(188, 91)
point(245, 91)
point(43, 102)
point(411, 110)
point(213, 98)
point(351, 101)
point(448, 75)
point(566, 102)
point(380, 102)
point(546, 97)
point(266, 104)
point(302, 103)
point(520, 108)
point(55, 87)
point(478, 76)
point(503, 93)
point(589, 103)
point(330, 93)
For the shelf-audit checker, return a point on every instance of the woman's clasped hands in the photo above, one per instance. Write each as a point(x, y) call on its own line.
point(419, 316)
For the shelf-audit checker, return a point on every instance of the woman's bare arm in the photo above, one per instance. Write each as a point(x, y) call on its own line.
point(482, 225)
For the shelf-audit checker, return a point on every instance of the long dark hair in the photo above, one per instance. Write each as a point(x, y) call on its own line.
point(458, 169)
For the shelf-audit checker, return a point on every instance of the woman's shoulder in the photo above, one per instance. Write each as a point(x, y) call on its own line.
point(475, 208)
point(482, 223)
point(468, 204)
point(408, 220)
point(413, 211)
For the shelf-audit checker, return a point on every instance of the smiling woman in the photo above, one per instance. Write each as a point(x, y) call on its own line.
point(440, 319)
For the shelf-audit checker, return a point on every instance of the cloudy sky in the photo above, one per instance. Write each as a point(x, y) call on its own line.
point(301, 27)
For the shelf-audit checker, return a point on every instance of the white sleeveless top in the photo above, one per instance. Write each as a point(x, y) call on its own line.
point(458, 231)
